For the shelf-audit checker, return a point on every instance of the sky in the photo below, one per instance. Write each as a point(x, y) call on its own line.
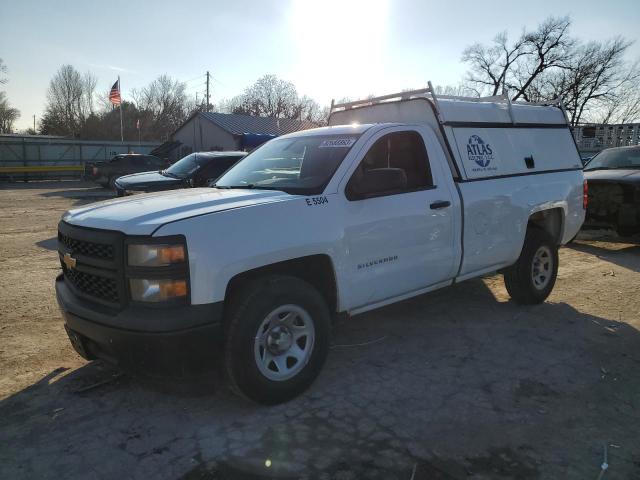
point(327, 48)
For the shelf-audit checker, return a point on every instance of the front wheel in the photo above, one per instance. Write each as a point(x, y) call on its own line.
point(277, 340)
point(531, 279)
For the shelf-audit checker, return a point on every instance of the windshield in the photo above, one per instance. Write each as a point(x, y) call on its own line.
point(301, 165)
point(615, 158)
point(185, 166)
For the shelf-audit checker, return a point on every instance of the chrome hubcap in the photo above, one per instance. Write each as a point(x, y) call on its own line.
point(284, 342)
point(541, 267)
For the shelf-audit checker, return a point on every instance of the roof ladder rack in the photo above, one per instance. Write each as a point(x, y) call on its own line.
point(510, 107)
point(406, 95)
point(435, 102)
point(435, 99)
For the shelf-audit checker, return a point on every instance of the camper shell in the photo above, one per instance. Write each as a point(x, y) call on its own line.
point(484, 137)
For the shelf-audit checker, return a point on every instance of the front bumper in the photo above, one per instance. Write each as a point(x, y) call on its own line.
point(169, 341)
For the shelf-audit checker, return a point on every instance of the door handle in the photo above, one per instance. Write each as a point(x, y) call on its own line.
point(440, 204)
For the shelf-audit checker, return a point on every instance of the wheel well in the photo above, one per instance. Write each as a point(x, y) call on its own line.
point(316, 270)
point(552, 221)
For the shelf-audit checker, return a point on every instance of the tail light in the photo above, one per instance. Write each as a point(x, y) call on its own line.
point(585, 195)
point(95, 170)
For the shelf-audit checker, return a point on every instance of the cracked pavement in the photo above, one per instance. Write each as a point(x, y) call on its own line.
point(459, 383)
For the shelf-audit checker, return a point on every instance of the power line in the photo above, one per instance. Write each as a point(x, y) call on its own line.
point(199, 77)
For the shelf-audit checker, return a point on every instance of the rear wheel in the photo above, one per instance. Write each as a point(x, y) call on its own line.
point(531, 279)
point(277, 340)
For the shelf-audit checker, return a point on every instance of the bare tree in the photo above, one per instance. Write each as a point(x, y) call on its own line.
point(592, 78)
point(623, 107)
point(595, 83)
point(491, 65)
point(598, 77)
point(514, 67)
point(165, 103)
point(549, 46)
point(8, 114)
point(70, 98)
point(271, 96)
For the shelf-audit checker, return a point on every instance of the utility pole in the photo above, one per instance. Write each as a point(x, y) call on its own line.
point(207, 107)
point(34, 123)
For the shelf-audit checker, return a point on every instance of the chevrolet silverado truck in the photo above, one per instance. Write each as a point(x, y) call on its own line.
point(399, 196)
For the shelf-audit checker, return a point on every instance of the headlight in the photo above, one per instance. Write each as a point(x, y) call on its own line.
point(155, 255)
point(157, 290)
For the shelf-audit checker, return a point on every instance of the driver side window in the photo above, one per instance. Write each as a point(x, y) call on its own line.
point(396, 155)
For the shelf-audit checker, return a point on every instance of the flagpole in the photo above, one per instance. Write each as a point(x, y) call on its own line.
point(121, 129)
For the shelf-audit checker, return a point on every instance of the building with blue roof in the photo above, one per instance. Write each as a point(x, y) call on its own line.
point(207, 131)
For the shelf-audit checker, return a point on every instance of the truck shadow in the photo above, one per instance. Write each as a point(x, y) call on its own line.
point(453, 384)
point(82, 196)
point(625, 255)
point(49, 243)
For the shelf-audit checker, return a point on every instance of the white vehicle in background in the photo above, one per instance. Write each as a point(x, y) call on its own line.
point(401, 195)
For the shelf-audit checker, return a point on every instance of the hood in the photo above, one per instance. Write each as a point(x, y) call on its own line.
point(144, 180)
point(626, 175)
point(142, 214)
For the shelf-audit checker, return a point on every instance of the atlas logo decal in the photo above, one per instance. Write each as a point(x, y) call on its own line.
point(480, 152)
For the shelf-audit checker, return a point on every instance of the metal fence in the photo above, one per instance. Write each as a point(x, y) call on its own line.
point(24, 158)
point(591, 138)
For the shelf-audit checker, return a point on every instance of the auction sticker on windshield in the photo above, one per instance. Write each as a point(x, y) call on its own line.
point(338, 142)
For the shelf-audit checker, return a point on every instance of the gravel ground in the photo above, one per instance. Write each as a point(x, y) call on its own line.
point(456, 384)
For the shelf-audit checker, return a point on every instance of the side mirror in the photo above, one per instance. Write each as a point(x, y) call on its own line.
point(379, 180)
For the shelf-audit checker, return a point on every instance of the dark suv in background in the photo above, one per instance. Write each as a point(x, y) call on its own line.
point(106, 173)
point(195, 170)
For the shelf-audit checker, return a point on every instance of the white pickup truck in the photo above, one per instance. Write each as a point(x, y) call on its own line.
point(400, 195)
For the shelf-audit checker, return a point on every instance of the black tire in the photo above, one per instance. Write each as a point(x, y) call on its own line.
point(519, 278)
point(246, 314)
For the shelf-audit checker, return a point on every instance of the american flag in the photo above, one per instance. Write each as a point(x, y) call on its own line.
point(114, 94)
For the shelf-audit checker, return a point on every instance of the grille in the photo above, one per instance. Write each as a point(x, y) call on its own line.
point(94, 285)
point(90, 249)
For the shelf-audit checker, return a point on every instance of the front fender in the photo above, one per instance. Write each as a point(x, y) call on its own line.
point(224, 244)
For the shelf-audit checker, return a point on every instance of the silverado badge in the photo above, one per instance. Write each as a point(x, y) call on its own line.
point(69, 261)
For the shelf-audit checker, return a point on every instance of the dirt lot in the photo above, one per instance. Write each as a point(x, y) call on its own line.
point(460, 383)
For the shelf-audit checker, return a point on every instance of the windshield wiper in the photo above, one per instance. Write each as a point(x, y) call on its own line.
point(249, 186)
point(226, 187)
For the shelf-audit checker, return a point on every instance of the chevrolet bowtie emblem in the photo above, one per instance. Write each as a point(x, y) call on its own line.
point(69, 261)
